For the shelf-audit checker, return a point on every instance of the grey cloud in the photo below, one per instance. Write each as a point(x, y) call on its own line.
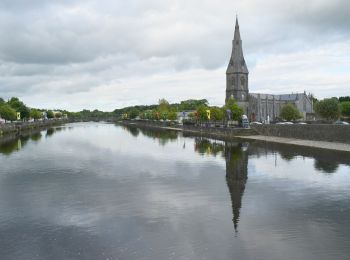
point(64, 47)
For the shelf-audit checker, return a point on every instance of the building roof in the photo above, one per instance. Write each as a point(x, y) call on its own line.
point(237, 63)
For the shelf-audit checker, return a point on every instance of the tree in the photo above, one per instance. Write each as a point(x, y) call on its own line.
point(289, 112)
point(2, 101)
point(328, 108)
point(19, 106)
point(133, 113)
point(172, 115)
point(345, 108)
point(7, 112)
point(236, 111)
point(58, 115)
point(344, 99)
point(192, 104)
point(163, 105)
point(35, 114)
point(217, 114)
point(50, 114)
point(202, 112)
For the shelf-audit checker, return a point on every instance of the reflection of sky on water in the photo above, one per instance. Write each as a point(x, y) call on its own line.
point(95, 191)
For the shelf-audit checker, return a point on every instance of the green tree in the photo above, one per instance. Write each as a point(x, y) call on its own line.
point(202, 112)
point(216, 113)
point(344, 99)
point(35, 114)
point(172, 115)
point(19, 106)
point(133, 113)
point(2, 101)
point(345, 108)
point(7, 112)
point(50, 114)
point(163, 105)
point(289, 112)
point(328, 108)
point(236, 111)
point(192, 104)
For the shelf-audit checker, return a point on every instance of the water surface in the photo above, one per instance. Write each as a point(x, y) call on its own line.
point(100, 191)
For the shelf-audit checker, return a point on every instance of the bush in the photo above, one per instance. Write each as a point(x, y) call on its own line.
point(289, 112)
point(328, 108)
point(7, 112)
point(236, 111)
point(345, 108)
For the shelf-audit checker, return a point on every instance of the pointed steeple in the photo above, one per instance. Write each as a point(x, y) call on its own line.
point(237, 63)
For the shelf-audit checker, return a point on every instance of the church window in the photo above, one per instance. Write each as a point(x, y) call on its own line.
point(242, 81)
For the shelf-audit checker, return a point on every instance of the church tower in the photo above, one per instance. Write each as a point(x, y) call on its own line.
point(237, 73)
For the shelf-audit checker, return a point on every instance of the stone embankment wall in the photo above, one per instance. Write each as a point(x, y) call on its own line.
point(329, 133)
point(15, 128)
point(221, 132)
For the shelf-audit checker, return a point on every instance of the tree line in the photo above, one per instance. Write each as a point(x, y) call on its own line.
point(9, 110)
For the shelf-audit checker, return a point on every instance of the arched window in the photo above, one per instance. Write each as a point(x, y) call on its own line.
point(242, 81)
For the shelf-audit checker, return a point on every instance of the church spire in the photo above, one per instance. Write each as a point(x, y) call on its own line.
point(237, 63)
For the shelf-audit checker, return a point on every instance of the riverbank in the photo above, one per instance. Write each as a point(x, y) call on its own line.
point(18, 127)
point(254, 134)
point(300, 142)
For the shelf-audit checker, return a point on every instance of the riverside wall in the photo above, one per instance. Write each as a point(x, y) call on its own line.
point(18, 127)
point(321, 132)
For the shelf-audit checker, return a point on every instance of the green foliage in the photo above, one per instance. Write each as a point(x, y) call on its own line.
point(133, 113)
point(172, 115)
point(202, 112)
point(35, 114)
point(19, 106)
point(217, 114)
point(290, 113)
point(345, 108)
point(2, 101)
point(7, 112)
point(58, 115)
point(236, 110)
point(191, 104)
point(328, 108)
point(163, 105)
point(50, 114)
point(344, 99)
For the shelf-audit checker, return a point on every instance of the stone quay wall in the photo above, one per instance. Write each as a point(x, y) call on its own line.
point(18, 127)
point(328, 133)
point(219, 132)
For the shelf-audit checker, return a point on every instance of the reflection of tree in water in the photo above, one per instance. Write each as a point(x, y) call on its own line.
point(236, 169)
point(36, 136)
point(12, 143)
point(326, 166)
point(205, 146)
point(10, 146)
point(163, 136)
point(50, 132)
point(134, 131)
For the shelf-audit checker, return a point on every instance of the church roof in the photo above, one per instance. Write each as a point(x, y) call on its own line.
point(237, 63)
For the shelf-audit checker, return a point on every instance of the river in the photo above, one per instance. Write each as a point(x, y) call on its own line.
point(103, 191)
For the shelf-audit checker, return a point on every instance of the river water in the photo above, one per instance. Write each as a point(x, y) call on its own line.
point(101, 191)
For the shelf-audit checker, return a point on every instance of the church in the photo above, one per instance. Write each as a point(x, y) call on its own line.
point(257, 106)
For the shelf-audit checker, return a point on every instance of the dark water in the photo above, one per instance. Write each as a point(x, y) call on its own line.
point(99, 191)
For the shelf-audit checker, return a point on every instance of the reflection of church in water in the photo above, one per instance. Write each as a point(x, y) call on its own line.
point(236, 177)
point(236, 157)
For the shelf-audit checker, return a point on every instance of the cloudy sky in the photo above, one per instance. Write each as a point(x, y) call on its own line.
point(107, 54)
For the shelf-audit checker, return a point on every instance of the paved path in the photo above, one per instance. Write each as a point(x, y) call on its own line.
point(300, 142)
